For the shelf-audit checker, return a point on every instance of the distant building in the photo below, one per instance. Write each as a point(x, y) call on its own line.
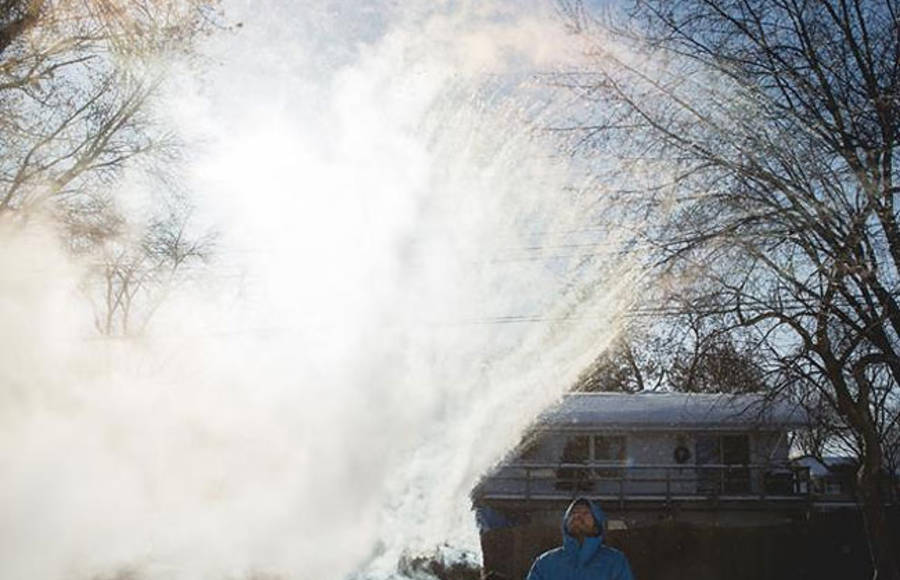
point(831, 478)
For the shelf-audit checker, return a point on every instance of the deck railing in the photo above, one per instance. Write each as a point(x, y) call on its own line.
point(532, 480)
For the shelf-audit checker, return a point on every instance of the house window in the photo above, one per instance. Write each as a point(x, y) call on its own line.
point(577, 450)
point(609, 449)
point(833, 487)
point(735, 449)
point(727, 457)
point(736, 455)
point(606, 450)
point(530, 449)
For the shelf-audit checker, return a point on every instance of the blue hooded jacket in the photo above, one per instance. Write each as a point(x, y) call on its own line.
point(590, 560)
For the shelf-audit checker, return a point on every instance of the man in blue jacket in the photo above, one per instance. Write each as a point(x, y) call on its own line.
point(583, 555)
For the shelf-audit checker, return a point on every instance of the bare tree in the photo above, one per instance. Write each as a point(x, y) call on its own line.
point(769, 130)
point(626, 367)
point(716, 363)
point(135, 266)
point(685, 353)
point(76, 81)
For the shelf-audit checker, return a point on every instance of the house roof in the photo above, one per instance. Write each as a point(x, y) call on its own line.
point(675, 411)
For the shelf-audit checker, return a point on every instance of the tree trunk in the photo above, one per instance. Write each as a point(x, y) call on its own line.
point(878, 529)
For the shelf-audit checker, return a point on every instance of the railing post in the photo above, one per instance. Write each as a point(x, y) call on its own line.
point(668, 484)
point(809, 483)
point(527, 484)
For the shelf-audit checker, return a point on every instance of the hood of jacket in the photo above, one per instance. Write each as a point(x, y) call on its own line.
point(588, 547)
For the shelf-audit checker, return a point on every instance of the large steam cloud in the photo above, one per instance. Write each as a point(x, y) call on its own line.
point(327, 400)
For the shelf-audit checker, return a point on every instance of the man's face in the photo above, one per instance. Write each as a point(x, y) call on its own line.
point(580, 522)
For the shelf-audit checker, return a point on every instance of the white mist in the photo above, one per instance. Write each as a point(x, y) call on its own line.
point(324, 401)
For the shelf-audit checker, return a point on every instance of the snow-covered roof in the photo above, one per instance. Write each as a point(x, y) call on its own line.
point(670, 411)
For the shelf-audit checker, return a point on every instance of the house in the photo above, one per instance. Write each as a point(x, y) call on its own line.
point(832, 477)
point(657, 447)
point(696, 485)
point(833, 481)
